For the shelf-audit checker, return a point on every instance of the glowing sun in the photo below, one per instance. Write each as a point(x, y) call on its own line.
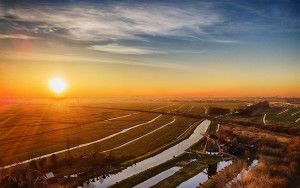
point(58, 85)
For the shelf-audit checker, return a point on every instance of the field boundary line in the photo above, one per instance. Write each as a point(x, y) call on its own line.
point(283, 111)
point(163, 147)
point(187, 130)
point(119, 117)
point(169, 123)
point(81, 145)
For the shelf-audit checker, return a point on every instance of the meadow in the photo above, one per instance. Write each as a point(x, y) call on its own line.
point(89, 138)
point(34, 128)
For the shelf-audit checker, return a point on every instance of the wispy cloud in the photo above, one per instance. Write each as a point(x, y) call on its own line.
point(187, 51)
point(225, 41)
point(213, 40)
point(75, 58)
point(16, 36)
point(114, 22)
point(129, 50)
point(119, 49)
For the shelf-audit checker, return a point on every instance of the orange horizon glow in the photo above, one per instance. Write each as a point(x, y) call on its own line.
point(27, 74)
point(165, 57)
point(156, 93)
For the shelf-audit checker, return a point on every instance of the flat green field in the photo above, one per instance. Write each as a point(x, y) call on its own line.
point(77, 129)
point(78, 132)
point(32, 128)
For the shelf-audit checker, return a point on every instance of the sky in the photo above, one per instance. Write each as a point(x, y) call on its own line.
point(157, 48)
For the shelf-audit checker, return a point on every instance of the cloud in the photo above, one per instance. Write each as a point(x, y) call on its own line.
point(16, 36)
point(114, 22)
point(187, 51)
point(75, 58)
point(135, 21)
point(227, 41)
point(129, 50)
point(213, 39)
point(119, 49)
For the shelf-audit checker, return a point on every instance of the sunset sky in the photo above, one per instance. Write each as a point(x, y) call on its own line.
point(134, 48)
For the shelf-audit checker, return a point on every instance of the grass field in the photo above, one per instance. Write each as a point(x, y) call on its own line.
point(130, 130)
point(32, 128)
point(114, 134)
point(284, 114)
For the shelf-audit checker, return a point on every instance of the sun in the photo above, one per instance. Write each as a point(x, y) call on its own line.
point(58, 85)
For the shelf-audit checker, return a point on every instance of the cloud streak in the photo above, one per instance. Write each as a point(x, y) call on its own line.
point(74, 58)
point(129, 50)
point(114, 22)
point(201, 25)
point(224, 41)
point(119, 49)
point(16, 36)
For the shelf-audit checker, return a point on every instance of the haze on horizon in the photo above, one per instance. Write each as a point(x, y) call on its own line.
point(134, 48)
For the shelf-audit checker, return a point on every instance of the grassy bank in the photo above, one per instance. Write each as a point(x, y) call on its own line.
point(188, 172)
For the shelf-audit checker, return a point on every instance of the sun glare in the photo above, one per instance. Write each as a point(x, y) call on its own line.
point(58, 85)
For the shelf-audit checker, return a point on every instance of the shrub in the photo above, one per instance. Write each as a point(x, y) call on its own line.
point(53, 160)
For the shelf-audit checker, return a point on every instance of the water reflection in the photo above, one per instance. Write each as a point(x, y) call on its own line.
point(159, 177)
point(205, 174)
point(156, 160)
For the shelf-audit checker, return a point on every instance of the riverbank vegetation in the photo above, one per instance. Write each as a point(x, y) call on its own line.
point(163, 124)
point(278, 156)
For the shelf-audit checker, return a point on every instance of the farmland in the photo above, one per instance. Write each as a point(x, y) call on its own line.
point(80, 134)
point(33, 129)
